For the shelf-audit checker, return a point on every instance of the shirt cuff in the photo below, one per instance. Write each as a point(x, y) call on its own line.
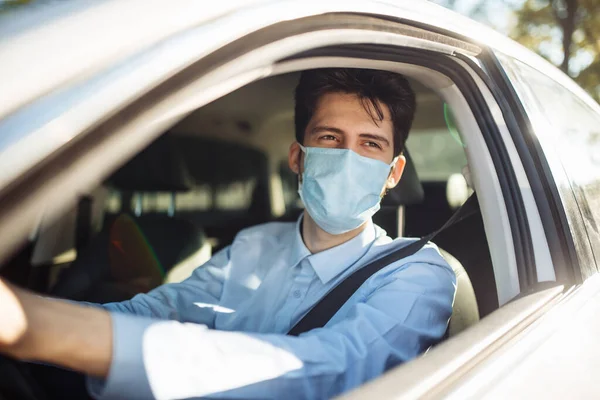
point(127, 377)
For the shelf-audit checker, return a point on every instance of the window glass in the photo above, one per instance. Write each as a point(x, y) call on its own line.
point(152, 202)
point(235, 196)
point(436, 154)
point(569, 129)
point(112, 203)
point(198, 199)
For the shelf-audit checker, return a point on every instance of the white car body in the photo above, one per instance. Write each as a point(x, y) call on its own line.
point(85, 85)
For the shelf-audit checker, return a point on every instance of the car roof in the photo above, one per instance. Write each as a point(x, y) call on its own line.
point(46, 45)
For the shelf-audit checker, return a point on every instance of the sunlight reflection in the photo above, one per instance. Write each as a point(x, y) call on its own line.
point(190, 361)
point(13, 316)
point(184, 268)
point(215, 307)
point(253, 282)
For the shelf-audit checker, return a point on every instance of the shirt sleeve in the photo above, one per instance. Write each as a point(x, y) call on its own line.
point(194, 298)
point(395, 322)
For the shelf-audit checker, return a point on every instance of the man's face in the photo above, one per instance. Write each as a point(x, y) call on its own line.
point(341, 121)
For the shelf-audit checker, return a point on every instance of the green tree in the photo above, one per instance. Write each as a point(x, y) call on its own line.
point(575, 24)
point(566, 32)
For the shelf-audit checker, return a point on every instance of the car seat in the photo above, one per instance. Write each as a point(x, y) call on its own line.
point(410, 193)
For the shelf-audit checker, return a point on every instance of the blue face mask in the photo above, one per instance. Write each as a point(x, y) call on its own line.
point(341, 189)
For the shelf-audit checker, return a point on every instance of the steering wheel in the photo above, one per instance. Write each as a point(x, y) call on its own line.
point(32, 381)
point(16, 381)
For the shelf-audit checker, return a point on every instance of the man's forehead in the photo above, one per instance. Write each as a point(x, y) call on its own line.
point(348, 109)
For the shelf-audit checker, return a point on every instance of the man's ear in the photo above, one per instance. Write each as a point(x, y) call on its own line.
point(294, 157)
point(396, 174)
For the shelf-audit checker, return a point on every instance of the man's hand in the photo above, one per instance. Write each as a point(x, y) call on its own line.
point(54, 331)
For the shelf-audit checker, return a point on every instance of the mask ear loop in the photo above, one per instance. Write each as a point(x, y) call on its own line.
point(392, 166)
point(300, 166)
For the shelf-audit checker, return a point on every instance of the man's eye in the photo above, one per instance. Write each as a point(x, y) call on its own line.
point(374, 145)
point(328, 137)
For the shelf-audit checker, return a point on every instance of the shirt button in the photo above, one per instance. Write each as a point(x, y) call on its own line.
point(297, 294)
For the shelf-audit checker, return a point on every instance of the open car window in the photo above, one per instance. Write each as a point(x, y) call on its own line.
point(221, 169)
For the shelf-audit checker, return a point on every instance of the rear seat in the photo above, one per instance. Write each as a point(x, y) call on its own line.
point(172, 164)
point(116, 265)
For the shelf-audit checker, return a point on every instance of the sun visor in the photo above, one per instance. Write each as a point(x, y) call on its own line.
point(408, 191)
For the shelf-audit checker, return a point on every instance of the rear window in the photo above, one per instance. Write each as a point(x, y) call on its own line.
point(436, 154)
point(234, 196)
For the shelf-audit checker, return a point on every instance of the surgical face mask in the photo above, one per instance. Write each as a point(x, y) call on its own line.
point(341, 189)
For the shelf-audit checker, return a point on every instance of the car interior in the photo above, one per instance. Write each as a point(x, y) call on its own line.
point(224, 168)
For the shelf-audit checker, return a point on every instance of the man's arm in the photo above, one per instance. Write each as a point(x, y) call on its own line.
point(179, 301)
point(54, 331)
point(30, 323)
point(392, 322)
point(395, 323)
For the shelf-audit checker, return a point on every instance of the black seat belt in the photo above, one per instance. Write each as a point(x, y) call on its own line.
point(326, 308)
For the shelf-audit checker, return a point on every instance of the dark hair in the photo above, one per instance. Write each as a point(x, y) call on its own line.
point(369, 85)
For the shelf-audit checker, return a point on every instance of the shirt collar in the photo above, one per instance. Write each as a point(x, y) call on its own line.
point(299, 249)
point(329, 263)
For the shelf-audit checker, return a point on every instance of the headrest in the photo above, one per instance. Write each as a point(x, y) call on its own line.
point(160, 167)
point(218, 162)
point(408, 191)
point(178, 163)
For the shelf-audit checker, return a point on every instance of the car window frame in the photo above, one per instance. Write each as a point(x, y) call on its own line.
point(568, 215)
point(547, 201)
point(445, 366)
point(543, 270)
point(207, 69)
point(87, 107)
point(129, 130)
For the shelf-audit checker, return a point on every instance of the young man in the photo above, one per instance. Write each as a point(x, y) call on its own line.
point(222, 332)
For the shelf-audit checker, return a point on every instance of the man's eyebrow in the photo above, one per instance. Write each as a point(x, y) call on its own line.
point(372, 136)
point(375, 137)
point(322, 128)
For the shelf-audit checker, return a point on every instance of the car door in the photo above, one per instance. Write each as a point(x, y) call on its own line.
point(123, 106)
point(549, 353)
point(554, 358)
point(565, 122)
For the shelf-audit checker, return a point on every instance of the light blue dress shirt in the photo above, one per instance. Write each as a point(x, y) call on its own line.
point(222, 332)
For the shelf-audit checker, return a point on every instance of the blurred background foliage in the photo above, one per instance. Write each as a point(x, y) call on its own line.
point(566, 32)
